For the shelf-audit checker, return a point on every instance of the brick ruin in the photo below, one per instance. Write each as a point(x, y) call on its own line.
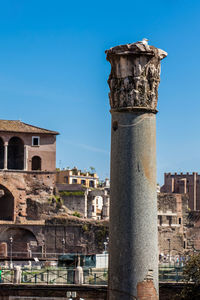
point(172, 223)
point(31, 210)
point(178, 226)
point(39, 214)
point(188, 183)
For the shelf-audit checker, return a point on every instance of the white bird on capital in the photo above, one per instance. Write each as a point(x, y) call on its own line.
point(144, 41)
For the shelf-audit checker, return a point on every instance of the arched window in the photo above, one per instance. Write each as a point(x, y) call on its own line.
point(15, 154)
point(1, 154)
point(36, 163)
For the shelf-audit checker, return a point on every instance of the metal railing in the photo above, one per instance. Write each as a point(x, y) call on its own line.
point(63, 276)
point(171, 273)
point(29, 254)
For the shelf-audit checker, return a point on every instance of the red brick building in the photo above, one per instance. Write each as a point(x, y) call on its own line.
point(27, 167)
point(184, 184)
point(26, 147)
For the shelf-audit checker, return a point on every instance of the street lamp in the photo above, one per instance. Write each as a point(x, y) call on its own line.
point(11, 243)
point(105, 250)
point(63, 244)
point(106, 244)
point(43, 249)
point(169, 241)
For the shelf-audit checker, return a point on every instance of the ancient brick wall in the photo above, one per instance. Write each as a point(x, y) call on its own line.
point(76, 203)
point(184, 184)
point(23, 185)
point(172, 223)
point(80, 236)
point(166, 291)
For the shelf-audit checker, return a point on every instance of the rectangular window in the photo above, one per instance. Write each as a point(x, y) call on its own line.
point(35, 140)
point(169, 218)
point(91, 183)
point(74, 180)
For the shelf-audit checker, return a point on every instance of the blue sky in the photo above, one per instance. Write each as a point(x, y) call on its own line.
point(53, 74)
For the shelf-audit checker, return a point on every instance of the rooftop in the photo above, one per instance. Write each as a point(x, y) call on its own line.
point(18, 126)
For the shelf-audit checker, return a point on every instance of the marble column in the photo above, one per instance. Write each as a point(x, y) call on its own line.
point(94, 208)
point(133, 243)
point(6, 156)
point(25, 158)
point(105, 208)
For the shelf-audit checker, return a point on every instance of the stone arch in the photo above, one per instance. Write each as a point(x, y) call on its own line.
point(22, 239)
point(6, 204)
point(36, 163)
point(15, 154)
point(1, 153)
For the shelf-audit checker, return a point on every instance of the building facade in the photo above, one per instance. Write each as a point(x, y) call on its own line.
point(172, 224)
point(27, 167)
point(26, 147)
point(75, 176)
point(184, 184)
point(90, 203)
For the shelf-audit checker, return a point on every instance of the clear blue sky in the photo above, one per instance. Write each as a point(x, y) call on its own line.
point(53, 74)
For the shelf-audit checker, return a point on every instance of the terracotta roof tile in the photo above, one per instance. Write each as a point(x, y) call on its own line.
point(18, 126)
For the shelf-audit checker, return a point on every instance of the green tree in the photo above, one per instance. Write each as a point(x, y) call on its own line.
point(191, 273)
point(92, 170)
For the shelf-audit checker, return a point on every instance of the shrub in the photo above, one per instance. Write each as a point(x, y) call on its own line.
point(76, 214)
point(76, 193)
point(191, 275)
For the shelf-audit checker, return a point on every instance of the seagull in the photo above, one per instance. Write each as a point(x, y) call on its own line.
point(144, 41)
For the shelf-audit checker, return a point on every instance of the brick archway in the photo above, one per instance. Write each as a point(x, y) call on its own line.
point(22, 239)
point(6, 204)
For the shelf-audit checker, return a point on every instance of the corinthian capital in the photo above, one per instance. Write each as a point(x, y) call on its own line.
point(135, 76)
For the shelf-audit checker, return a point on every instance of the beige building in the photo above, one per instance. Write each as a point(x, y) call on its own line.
point(75, 176)
point(184, 184)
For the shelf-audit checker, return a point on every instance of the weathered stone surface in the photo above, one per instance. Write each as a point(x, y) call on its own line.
point(184, 183)
point(135, 76)
point(172, 224)
point(133, 246)
point(18, 186)
point(81, 236)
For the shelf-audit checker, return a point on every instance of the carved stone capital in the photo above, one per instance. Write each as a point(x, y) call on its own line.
point(135, 76)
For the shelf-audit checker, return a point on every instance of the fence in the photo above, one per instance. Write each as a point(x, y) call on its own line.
point(171, 273)
point(90, 275)
point(54, 276)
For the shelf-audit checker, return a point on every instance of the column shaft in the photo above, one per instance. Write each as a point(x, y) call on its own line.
point(133, 212)
point(133, 246)
point(25, 158)
point(6, 156)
